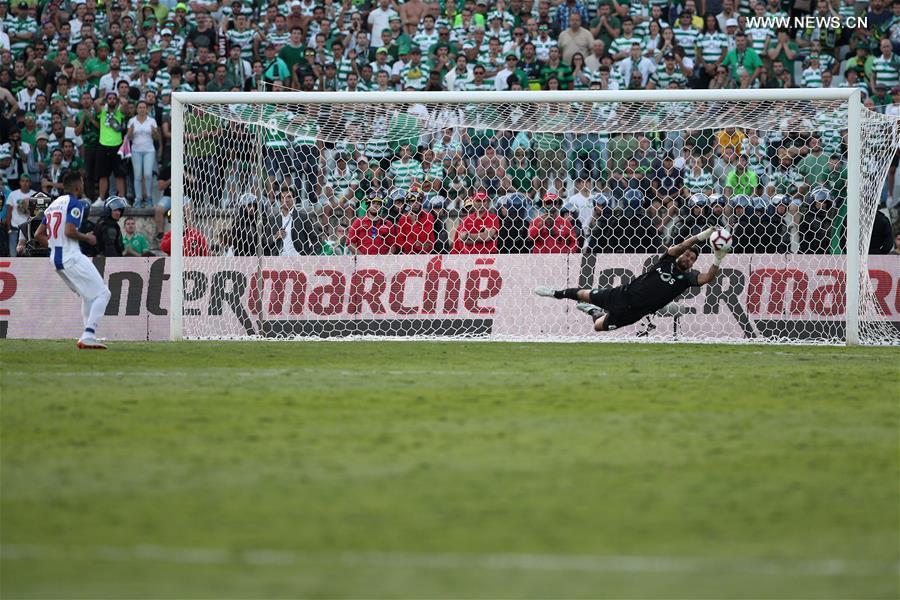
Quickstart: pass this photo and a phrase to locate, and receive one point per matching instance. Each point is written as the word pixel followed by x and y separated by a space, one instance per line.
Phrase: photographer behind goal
pixel 27 245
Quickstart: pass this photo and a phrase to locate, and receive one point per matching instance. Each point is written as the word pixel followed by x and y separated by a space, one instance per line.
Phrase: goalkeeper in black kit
pixel 666 279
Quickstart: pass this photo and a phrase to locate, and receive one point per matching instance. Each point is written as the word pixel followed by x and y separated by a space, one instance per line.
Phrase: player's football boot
pixel 543 290
pixel 589 309
pixel 90 344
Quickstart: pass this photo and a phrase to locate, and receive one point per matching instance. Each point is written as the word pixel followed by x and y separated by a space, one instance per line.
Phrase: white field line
pixel 489 562
pixel 253 372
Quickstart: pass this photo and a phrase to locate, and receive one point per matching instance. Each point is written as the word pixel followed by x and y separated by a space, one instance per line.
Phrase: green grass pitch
pixel 423 470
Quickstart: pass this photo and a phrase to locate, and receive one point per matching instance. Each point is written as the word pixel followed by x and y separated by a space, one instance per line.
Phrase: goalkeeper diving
pixel 667 278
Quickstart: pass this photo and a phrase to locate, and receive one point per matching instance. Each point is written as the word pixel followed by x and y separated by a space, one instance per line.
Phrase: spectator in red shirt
pixel 372 233
pixel 477 232
pixel 551 232
pixel 415 229
pixel 193 242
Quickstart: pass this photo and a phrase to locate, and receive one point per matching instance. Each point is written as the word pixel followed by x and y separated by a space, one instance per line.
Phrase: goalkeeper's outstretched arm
pixel 678 249
pixel 704 278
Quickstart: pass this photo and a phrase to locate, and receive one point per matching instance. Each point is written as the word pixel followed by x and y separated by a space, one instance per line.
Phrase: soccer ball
pixel 720 239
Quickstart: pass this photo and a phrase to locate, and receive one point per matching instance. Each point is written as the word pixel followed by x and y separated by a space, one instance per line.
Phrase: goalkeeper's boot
pixel 90 343
pixel 589 309
pixel 543 290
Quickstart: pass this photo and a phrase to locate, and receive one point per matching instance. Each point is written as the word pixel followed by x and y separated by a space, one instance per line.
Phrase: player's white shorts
pixel 82 277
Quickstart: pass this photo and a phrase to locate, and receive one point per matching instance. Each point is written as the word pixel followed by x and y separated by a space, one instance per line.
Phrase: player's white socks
pixel 86 311
pixel 95 313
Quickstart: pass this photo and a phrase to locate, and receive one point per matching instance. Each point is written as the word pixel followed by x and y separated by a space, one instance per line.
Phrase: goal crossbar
pixel 531 97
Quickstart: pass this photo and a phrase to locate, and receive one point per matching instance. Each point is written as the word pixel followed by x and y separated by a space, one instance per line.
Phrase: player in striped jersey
pixel 59 231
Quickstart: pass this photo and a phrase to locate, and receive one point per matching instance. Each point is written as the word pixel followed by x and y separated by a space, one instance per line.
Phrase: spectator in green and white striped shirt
pixel 343 64
pixel 812 75
pixel 23 29
pixel 886 67
pixel 760 35
pixel 242 35
pixel 428 35
pixel 414 74
pixel 698 178
pixel 656 16
pixel 342 176
pixel 686 34
pixel 826 61
pixel 405 169
pixel 479 83
pixel 666 74
pixel 621 46
pixel 712 45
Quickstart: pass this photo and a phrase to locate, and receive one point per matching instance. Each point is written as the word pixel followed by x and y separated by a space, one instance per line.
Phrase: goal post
pixel 264 142
pixel 854 150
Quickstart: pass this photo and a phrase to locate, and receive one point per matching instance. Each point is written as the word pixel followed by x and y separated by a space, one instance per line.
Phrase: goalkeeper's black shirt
pixel 661 283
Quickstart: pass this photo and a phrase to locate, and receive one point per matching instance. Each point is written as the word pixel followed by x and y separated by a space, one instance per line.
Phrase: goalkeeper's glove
pixel 720 255
pixel 704 235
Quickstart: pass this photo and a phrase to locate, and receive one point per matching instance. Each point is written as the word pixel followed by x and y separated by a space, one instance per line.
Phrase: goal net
pixel 435 215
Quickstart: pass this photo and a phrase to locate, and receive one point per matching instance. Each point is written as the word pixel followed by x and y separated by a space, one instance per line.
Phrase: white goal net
pixel 436 215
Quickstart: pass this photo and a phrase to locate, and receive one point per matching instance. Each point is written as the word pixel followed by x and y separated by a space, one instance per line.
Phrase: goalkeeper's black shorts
pixel 617 303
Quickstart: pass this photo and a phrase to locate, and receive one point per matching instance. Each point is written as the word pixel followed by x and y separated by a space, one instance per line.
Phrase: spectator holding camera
pixel 415 229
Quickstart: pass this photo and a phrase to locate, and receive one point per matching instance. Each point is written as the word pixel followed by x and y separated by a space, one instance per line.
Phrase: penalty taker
pixel 666 279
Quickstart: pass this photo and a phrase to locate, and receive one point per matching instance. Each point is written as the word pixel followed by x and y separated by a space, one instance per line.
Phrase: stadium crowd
pixel 87 85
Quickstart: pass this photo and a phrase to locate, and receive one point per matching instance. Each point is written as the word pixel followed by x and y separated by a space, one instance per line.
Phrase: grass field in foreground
pixel 448 470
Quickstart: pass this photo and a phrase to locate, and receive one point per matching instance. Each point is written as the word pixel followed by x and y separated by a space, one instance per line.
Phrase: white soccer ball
pixel 720 239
